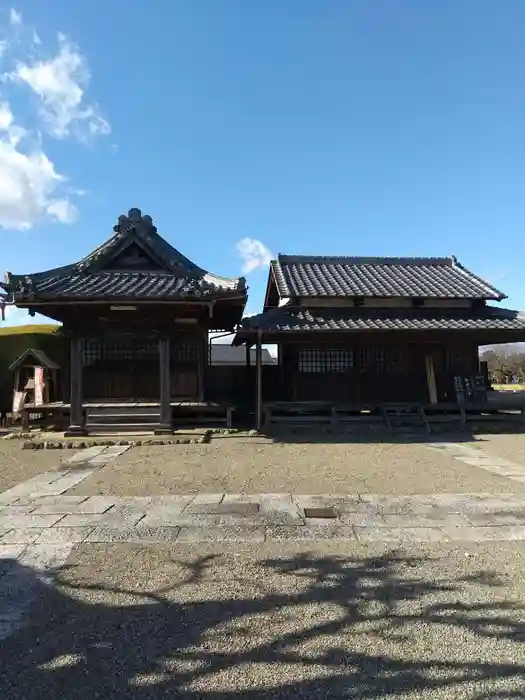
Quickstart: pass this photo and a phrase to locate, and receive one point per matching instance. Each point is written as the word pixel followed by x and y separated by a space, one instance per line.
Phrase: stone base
pixel 163 430
pixel 76 431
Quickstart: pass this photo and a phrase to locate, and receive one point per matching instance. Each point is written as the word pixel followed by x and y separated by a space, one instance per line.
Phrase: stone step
pixel 123 410
pixel 105 428
pixel 123 418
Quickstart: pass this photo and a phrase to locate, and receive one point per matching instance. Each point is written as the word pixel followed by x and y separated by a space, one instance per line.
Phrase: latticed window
pixel 97 350
pixel 322 360
pixel 380 360
pixel 184 351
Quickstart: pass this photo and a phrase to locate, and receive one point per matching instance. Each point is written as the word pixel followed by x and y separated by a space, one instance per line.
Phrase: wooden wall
pixel 367 373
pixel 126 366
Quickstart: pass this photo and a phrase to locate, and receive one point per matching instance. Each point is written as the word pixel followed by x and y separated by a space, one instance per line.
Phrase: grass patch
pixel 44 328
pixel 508 387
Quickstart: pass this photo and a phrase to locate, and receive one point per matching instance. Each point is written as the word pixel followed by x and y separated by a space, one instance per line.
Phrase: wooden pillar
pixel 431 378
pixel 76 414
pixel 202 364
pixel 258 382
pixel 165 426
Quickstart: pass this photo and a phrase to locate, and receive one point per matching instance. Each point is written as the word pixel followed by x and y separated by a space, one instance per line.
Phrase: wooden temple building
pixel 137 314
pixel 354 335
pixel 369 333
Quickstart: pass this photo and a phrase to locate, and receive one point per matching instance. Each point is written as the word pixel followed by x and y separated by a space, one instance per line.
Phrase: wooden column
pixel 431 378
pixel 247 394
pixel 165 426
pixel 258 382
pixel 202 364
pixel 76 414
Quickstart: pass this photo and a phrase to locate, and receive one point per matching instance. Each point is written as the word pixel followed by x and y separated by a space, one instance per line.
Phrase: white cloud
pixel 15 17
pixel 29 182
pixel 31 187
pixel 60 84
pixel 253 254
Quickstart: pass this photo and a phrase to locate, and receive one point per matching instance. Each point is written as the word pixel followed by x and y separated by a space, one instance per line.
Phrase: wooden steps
pixel 406 417
pixel 104 420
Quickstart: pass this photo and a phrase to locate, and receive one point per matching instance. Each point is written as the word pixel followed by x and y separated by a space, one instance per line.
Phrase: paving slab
pixel 79 520
pixel 29 487
pixel 206 499
pixel 229 508
pixel 56 535
pixel 30 520
pixel 510 517
pixel 16 509
pixel 241 498
pixel 225 533
pixel 64 483
pixel 371 518
pixel 110 453
pixel 423 520
pixel 393 504
pixel 11 551
pixel 145 535
pixel 42 558
pixel 280 508
pixel 185 519
pixel 121 517
pixel 26 535
pixel 485 534
pixel 401 536
pixel 56 500
pixel 490 505
pixel 457 503
pixel 173 503
pixel 310 532
pixel 88 505
pixel 321 501
pixel 86 454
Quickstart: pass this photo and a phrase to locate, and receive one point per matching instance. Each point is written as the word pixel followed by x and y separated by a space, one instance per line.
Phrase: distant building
pixel 222 354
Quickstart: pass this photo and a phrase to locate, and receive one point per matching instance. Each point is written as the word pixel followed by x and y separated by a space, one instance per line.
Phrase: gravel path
pixel 258 466
pixel 271 622
pixel 17 465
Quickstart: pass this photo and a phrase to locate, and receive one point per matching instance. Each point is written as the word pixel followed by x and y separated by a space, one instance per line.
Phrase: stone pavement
pixel 40 512
pixel 40 523
pixel 476 458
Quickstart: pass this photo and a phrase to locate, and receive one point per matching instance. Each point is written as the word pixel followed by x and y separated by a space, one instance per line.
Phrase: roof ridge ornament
pixel 133 222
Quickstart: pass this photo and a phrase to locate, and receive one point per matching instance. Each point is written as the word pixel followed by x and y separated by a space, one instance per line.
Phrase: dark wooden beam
pixel 166 426
pixel 258 381
pixel 77 421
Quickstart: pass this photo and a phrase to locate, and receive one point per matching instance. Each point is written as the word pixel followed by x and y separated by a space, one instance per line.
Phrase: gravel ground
pixel 258 466
pixel 17 465
pixel 270 622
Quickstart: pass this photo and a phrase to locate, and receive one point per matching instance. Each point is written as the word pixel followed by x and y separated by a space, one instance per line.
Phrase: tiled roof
pixel 286 318
pixel 310 276
pixel 172 275
pixel 118 284
pixel 38 355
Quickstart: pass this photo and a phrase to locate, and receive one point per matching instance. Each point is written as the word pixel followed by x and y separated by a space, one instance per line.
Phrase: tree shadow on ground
pixel 159 644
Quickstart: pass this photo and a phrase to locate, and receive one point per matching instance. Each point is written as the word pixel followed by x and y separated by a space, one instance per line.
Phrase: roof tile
pixel 286 318
pixel 315 276
pixel 93 276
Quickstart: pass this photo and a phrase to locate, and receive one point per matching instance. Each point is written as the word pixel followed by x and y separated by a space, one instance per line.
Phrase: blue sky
pixel 327 127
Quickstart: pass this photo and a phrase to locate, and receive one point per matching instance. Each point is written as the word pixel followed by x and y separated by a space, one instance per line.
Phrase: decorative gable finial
pixel 134 221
